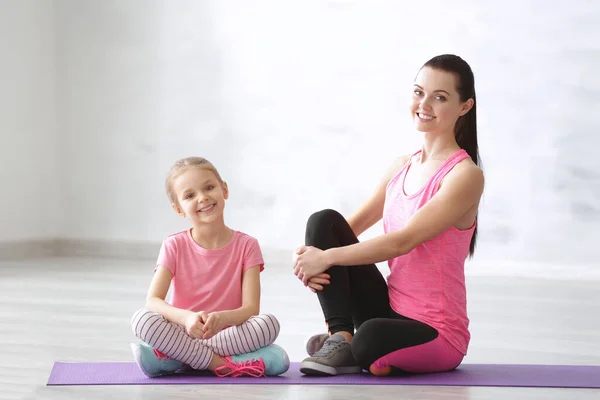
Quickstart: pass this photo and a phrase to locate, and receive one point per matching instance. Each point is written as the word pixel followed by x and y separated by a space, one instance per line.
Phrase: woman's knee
pixel 323 218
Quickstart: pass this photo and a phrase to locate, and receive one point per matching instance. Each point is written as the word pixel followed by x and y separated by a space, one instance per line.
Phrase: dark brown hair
pixel 465 130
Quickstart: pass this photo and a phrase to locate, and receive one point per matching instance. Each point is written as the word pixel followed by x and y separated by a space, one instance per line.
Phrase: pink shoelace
pixel 255 368
pixel 160 355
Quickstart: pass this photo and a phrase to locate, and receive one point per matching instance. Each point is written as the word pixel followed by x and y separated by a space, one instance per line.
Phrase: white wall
pixel 28 147
pixel 110 92
pixel 303 105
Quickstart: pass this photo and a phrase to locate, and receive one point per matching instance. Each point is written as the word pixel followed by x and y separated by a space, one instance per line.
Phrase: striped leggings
pixel 171 338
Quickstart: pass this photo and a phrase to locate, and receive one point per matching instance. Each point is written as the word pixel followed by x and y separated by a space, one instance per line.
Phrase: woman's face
pixel 436 104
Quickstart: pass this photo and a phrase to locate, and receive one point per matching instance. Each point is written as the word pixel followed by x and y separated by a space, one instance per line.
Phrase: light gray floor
pixel 79 310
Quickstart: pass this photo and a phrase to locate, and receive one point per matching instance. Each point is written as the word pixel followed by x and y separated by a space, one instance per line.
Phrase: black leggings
pixel 357 298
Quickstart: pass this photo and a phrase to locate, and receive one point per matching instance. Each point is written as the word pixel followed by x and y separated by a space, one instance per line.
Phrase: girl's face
pixel 436 104
pixel 200 196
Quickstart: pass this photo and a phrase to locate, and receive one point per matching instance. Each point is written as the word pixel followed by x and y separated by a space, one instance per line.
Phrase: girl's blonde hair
pixel 180 166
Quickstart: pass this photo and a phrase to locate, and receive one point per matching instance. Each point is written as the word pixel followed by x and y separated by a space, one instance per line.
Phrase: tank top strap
pixel 447 166
pixel 410 160
pixel 400 175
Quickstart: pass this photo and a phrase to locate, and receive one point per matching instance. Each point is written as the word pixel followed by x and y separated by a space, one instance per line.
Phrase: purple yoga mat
pixel 126 373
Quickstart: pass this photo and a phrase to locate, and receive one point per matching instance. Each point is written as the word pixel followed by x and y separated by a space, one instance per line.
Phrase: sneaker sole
pixel 316 369
pixel 314 343
pixel 286 363
pixel 137 356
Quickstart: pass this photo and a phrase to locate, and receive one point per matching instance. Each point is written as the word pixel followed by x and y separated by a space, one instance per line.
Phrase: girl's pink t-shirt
pixel 208 280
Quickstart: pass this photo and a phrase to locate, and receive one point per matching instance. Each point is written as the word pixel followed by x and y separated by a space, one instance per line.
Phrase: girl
pixel 212 322
pixel 417 321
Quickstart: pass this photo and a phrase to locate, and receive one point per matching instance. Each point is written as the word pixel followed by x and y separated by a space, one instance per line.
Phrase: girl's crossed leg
pixel 171 339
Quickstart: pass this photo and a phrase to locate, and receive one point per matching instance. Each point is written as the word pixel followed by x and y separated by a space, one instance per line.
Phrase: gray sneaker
pixel 315 342
pixel 334 358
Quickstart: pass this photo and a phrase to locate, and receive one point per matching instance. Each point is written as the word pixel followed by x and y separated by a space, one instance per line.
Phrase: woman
pixel 428 200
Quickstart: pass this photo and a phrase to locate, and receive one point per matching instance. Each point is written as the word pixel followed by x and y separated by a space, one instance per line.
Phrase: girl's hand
pixel 194 325
pixel 316 282
pixel 310 262
pixel 213 325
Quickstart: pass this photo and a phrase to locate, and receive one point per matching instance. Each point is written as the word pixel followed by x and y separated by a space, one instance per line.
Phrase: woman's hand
pixel 309 262
pixel 316 282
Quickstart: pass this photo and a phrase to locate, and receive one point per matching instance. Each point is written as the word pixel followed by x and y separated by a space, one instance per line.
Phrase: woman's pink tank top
pixel 428 284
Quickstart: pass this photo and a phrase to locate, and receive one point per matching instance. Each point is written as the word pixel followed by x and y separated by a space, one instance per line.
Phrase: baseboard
pixel 127 250
pixel 108 249
pixel 46 248
pixel 574 271
pixel 24 249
